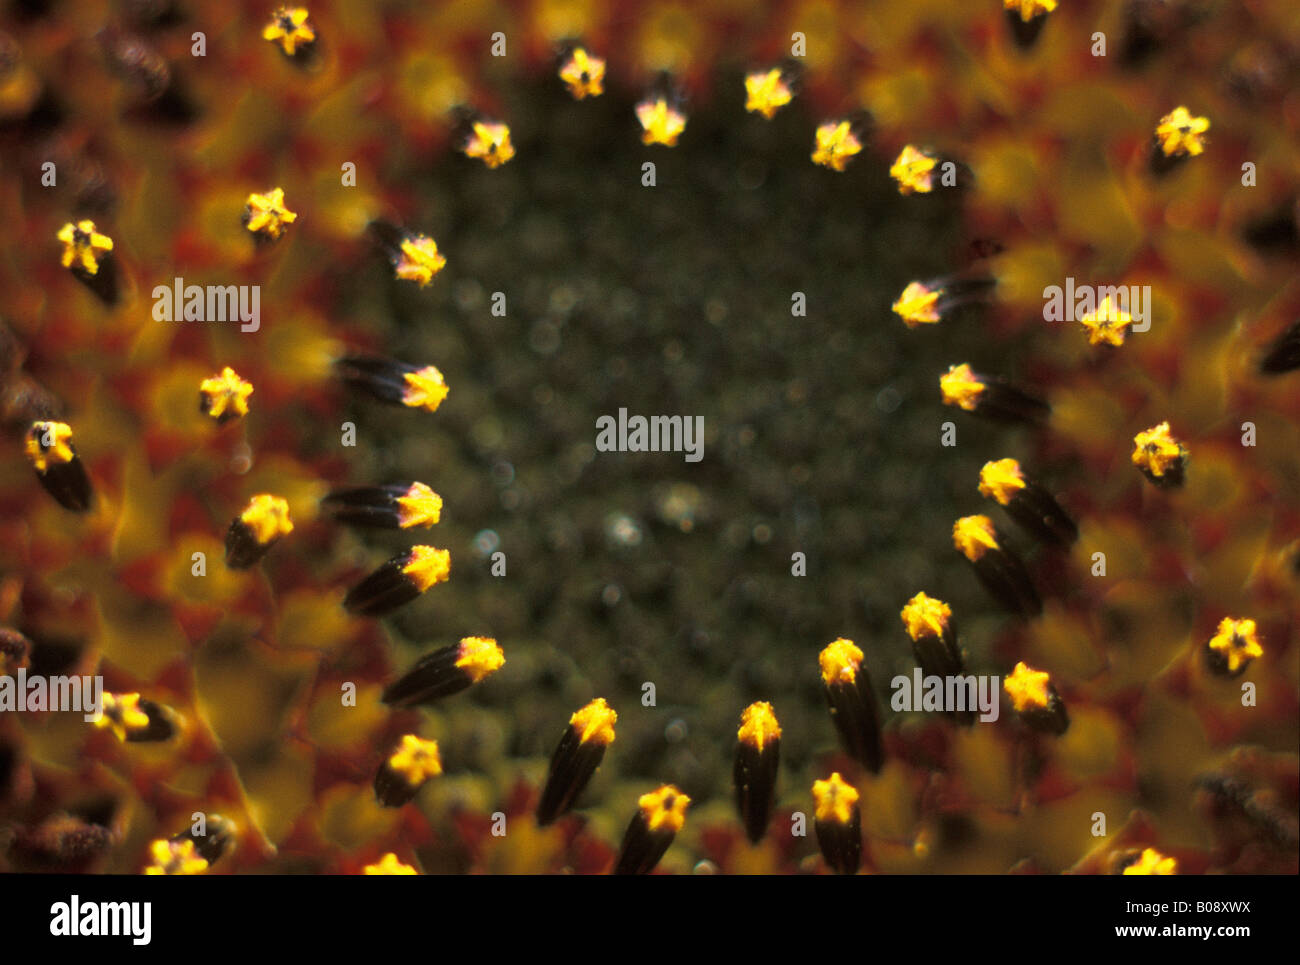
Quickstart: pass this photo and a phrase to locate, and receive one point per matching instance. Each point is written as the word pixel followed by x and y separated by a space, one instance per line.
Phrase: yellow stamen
pixel 490 143
pixel 595 723
pixel 1179 134
pixel 267 518
pixel 1107 324
pixel 175 858
pixel 83 246
pixel 974 536
pixel 660 123
pixel 267 215
pixel 389 865
pixel 1152 862
pixel 836 143
pixel 664 808
pixel 1237 641
pixel 1157 451
pixel 420 506
pixel 914 171
pixel 289 29
pixel 924 616
pixel 225 395
pixel 416 760
pixel 766 93
pixel 1028 688
pixel 1029 9
pixel 49 443
pixel 835 799
pixel 839 662
pixel 758 725
pixel 1001 480
pixel 918 304
pixel 480 657
pixel 426 566
pixel 583 74
pixel 121 714
pixel 425 389
pixel 961 387
pixel 420 260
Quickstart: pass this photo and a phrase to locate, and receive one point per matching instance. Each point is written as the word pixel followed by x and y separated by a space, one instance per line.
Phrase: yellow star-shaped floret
pixel 266 214
pixel 490 143
pixel 416 760
pixel 962 387
pixel 758 725
pixel 1237 642
pixel 427 565
pixel 389 865
pixel 1001 480
pixel 924 616
pixel 267 518
pixel 914 171
pixel 664 808
pixel 660 124
pixel 289 29
pixel 83 246
pixel 1107 324
pixel 583 74
pixel 175 858
pixel 1179 134
pixel 835 144
pixel 974 536
pixel 918 304
pixel 418 506
pixel 420 260
pixel 1028 689
pixel 425 389
pixel 225 396
pixel 480 657
pixel 49 443
pixel 121 714
pixel 839 661
pixel 1152 862
pixel 1029 9
pixel 1156 451
pixel 766 92
pixel 595 723
pixel 835 799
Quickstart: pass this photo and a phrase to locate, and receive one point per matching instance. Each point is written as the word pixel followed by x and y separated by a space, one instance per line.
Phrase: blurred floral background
pixel 822 432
